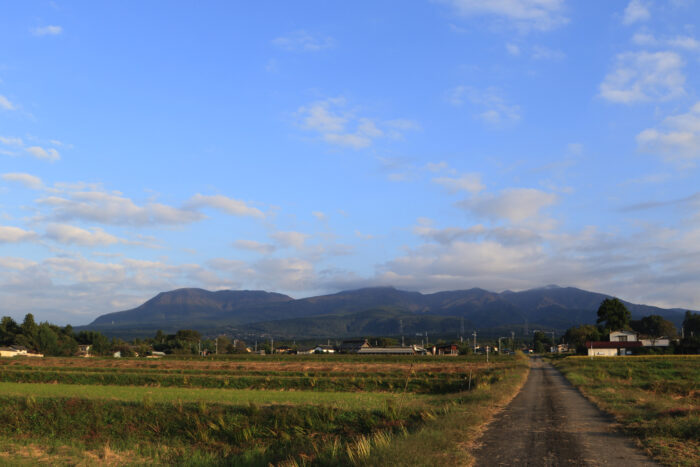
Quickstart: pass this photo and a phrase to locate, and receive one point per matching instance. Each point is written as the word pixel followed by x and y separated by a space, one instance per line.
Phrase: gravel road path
pixel 550 423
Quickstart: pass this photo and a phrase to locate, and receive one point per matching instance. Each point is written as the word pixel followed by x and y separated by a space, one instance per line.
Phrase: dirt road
pixel 551 424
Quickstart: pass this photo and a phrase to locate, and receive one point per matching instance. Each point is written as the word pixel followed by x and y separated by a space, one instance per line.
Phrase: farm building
pixel 17 351
pixel 353 346
pixel 445 349
pixel 624 343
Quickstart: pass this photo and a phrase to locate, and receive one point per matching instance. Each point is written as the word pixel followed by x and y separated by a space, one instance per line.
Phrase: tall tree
pixel 577 336
pixel 614 314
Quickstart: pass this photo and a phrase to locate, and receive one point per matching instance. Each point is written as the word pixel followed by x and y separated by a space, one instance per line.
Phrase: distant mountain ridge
pixel 375 310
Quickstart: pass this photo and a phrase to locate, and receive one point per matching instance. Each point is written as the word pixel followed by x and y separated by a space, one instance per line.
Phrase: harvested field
pixel 312 411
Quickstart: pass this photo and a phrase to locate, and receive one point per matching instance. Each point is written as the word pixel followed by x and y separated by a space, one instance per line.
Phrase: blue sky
pixel 309 147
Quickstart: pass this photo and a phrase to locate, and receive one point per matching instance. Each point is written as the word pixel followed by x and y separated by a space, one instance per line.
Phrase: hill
pixel 375 311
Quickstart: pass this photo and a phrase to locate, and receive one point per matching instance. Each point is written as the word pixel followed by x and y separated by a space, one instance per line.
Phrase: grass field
pixel 655 398
pixel 250 411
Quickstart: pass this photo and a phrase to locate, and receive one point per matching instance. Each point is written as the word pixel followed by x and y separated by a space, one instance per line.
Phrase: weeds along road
pixel 550 423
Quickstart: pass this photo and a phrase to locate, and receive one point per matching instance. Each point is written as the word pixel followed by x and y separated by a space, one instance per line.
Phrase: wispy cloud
pixel 336 124
pixel 225 204
pixel 514 204
pixel 28 180
pixel 636 11
pixel 676 42
pixel 114 209
pixel 491 106
pixel 644 76
pixel 47 31
pixel 470 182
pixel 6 104
pixel 303 41
pixel 525 15
pixel 544 53
pixel 72 235
pixel 677 141
pixel 253 245
pixel 49 154
pixel 10 234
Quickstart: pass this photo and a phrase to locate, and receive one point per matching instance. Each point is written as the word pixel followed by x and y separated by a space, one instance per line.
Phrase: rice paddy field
pixel 654 398
pixel 261 410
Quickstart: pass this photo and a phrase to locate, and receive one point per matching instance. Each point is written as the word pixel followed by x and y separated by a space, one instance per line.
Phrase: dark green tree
pixel 613 314
pixel 541 342
pixel 577 336
pixel 691 325
pixel 8 331
pixel 654 326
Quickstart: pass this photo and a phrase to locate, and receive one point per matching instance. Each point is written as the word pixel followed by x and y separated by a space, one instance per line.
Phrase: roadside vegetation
pixel 287 410
pixel 654 398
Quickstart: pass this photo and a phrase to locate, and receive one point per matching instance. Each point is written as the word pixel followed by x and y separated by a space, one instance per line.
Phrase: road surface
pixel 549 423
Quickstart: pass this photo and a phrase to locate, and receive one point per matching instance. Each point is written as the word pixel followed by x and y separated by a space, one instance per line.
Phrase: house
pixel 8 352
pixel 17 351
pixel 445 349
pixel 323 349
pixel 285 349
pixel 84 350
pixel 353 346
pixel 611 349
pixel 623 343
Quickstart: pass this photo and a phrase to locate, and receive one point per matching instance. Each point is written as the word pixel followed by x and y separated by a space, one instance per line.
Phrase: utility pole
pixel 512 341
pixel 426 339
pixel 461 329
pixel 216 345
pixel 500 349
pixel 474 334
pixel 272 345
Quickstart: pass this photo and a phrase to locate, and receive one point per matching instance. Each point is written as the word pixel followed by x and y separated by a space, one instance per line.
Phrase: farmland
pixel 654 398
pixel 281 410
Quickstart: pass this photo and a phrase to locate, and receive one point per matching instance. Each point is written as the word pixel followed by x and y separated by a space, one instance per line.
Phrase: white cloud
pixel 490 105
pixel 10 141
pixel 225 204
pixel 321 216
pixel 47 31
pixel 437 166
pixel 636 11
pixel 252 245
pixel 470 183
pixel 679 139
pixel 514 204
pixel 6 104
pixel 513 49
pixel 110 208
pixel 290 239
pixel 41 153
pixel 337 125
pixel 28 180
pixel 303 41
pixel 72 235
pixel 524 14
pixel 644 76
pixel 677 42
pixel 10 234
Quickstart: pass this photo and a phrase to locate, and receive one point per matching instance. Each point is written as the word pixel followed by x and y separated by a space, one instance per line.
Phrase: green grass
pixel 345 400
pixel 655 398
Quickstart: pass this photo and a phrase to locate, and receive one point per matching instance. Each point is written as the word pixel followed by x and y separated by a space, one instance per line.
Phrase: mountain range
pixel 368 311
